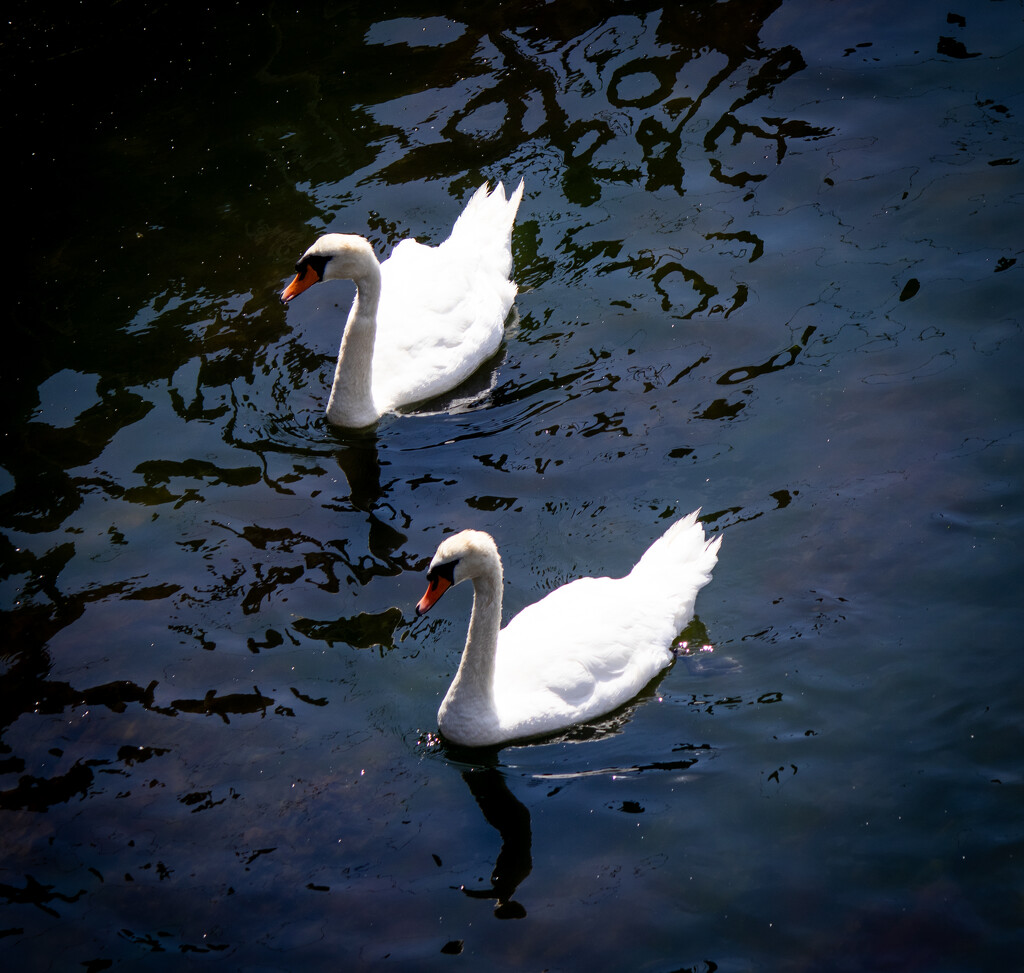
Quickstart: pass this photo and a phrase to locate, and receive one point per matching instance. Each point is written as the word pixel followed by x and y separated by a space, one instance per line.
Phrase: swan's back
pixel 442 309
pixel 593 644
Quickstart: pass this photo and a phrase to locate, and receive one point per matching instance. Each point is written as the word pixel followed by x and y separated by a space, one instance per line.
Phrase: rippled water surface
pixel 770 264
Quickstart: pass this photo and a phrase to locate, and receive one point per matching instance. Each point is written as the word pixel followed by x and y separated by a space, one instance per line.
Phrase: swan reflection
pixel 504 812
pixel 511 819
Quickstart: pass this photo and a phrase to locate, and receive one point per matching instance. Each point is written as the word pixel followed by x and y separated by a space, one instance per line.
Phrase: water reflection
pixel 359 460
pixel 675 85
pixel 27 690
pixel 663 91
pixel 169 489
pixel 660 97
pixel 504 812
pixel 511 819
pixel 40 793
pixel 364 631
pixel 40 456
pixel 233 703
pixel 777 362
pixel 38 895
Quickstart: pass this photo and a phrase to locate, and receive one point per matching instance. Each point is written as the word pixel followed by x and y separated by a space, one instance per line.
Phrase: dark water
pixel 770 265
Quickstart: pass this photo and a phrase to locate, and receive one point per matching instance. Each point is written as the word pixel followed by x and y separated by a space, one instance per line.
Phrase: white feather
pixel 427 317
pixel 580 652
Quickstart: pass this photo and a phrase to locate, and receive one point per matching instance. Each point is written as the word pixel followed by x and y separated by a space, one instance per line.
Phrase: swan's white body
pixel 580 652
pixel 423 320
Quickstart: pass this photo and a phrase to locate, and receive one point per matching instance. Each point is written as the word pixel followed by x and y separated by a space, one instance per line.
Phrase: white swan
pixel 577 654
pixel 423 320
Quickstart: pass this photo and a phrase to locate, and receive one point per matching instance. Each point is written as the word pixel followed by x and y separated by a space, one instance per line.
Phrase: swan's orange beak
pixel 438 586
pixel 304 280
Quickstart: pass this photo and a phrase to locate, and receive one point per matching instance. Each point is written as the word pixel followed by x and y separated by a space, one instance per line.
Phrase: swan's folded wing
pixel 584 649
pixel 438 321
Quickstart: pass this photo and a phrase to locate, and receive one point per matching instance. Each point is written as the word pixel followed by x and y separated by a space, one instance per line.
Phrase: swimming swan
pixel 423 320
pixel 578 653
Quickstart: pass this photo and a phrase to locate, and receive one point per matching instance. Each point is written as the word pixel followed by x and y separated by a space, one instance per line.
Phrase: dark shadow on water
pixel 234 703
pixel 364 631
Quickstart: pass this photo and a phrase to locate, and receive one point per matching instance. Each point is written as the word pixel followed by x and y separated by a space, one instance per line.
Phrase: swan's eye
pixel 317 262
pixel 446 571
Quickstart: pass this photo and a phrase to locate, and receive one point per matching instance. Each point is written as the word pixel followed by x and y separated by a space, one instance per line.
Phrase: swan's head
pixel 336 256
pixel 461 556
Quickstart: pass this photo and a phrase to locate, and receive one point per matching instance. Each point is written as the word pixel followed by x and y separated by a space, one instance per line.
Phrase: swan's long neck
pixel 351 402
pixel 471 693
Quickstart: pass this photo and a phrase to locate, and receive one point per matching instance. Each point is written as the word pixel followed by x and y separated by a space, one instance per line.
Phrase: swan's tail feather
pixel 679 563
pixel 484 227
